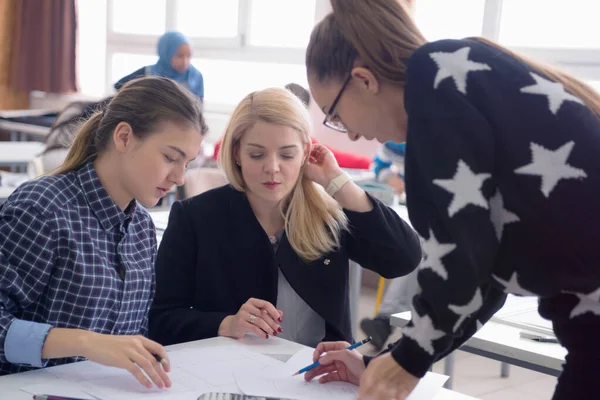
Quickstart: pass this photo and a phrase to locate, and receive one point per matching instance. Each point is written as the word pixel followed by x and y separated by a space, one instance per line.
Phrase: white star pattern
pixel 499 215
pixel 423 332
pixel 553 90
pixel 463 312
pixel 466 188
pixel 434 251
pixel 455 65
pixel 513 286
pixel 587 303
pixel 551 166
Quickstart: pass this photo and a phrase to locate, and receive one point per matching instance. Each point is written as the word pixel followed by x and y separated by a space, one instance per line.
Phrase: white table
pixel 10 384
pixel 502 342
pixel 19 130
pixel 5 192
pixel 18 154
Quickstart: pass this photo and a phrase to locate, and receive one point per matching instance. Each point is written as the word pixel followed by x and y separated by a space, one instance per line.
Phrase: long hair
pixel 313 222
pixel 383 36
pixel 143 103
pixel 380 33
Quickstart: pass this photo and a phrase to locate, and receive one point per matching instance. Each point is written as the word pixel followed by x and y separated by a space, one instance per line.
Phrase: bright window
pixel 281 23
pixel 124 64
pixel 210 19
pixel 91 38
pixel 229 81
pixel 550 23
pixel 138 17
pixel 445 19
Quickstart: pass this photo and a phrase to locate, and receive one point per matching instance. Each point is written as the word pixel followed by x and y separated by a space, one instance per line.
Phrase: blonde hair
pixel 313 222
pixel 383 36
pixel 143 103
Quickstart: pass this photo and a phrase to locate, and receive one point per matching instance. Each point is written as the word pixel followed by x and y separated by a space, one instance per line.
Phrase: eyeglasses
pixel 329 120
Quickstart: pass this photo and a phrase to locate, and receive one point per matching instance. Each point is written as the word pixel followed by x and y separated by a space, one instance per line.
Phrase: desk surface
pixel 12 153
pixel 503 342
pixel 21 127
pixel 10 384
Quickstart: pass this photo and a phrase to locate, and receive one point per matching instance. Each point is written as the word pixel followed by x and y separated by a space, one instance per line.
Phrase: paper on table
pixel 60 388
pixel 301 359
pixel 273 345
pixel 428 387
pixel 193 371
pixel 283 384
pixel 294 387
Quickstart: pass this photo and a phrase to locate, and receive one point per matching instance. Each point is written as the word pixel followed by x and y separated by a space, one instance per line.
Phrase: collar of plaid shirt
pixel 100 202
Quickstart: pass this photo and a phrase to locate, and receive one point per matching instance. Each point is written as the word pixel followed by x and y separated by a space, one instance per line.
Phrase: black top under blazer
pixel 215 255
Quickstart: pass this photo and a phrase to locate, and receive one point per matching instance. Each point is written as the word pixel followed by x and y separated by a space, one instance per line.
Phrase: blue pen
pixel 351 347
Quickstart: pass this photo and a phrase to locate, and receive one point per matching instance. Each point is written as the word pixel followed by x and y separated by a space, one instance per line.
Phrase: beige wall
pixel 10 99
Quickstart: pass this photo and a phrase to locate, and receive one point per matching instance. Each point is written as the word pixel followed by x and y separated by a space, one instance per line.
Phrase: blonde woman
pixel 268 254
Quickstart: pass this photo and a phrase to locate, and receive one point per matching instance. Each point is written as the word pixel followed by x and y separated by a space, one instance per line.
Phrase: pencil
pixel 161 360
pixel 351 347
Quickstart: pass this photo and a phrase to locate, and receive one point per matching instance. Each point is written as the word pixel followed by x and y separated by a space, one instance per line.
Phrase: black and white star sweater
pixel 502 181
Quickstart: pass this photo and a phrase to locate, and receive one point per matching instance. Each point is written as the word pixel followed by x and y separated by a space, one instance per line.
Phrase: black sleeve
pixel 450 159
pixel 172 317
pixel 381 241
pixel 136 74
pixel 493 300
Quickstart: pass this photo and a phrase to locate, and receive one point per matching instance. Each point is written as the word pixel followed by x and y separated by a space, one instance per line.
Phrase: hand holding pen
pixel 340 363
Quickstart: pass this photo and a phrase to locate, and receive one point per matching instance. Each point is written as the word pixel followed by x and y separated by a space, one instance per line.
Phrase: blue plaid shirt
pixel 70 258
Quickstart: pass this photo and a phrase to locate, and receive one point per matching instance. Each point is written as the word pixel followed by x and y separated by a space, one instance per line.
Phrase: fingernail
pixel 267 336
pixel 280 329
pixel 274 333
pixel 280 319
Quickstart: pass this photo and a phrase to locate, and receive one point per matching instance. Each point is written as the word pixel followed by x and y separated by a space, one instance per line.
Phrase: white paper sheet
pixel 429 386
pixel 59 388
pixel 300 360
pixel 272 345
pixel 297 388
pixel 294 388
pixel 193 372
pixel 282 383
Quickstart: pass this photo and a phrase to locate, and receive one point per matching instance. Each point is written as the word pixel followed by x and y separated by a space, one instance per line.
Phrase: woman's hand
pixel 322 166
pixel 256 316
pixel 385 379
pixel 338 364
pixel 135 354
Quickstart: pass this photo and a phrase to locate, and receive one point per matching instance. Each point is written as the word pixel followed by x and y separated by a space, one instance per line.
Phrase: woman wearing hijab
pixel 174 62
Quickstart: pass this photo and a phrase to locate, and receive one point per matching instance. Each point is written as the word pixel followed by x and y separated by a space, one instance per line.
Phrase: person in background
pixel 269 253
pixel 502 181
pixel 398 298
pixel 344 159
pixel 388 165
pixel 78 247
pixel 174 62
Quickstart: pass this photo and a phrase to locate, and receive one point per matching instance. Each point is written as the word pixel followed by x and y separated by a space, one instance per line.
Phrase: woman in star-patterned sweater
pixel 502 180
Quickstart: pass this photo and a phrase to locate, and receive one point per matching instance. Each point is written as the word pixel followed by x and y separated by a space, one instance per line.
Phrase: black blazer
pixel 214 256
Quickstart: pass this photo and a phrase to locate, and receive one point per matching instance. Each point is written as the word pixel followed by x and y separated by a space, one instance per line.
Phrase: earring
pixel 238 164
